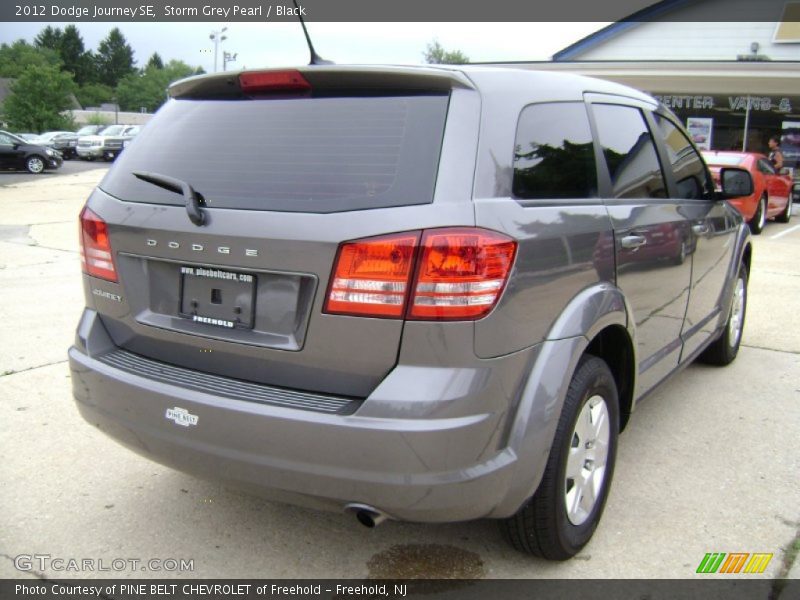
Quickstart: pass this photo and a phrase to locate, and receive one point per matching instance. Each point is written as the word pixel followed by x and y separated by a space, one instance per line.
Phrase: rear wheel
pixel 760 218
pixel 786 215
pixel 564 512
pixel 34 164
pixel 724 350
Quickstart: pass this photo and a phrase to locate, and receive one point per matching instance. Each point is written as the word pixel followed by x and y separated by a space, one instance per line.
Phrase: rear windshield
pixel 297 155
pixel 723 160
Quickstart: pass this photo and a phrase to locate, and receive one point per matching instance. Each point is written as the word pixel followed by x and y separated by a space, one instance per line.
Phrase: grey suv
pixel 423 294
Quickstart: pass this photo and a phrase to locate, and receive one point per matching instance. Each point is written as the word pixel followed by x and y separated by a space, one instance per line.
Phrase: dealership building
pixel 733 84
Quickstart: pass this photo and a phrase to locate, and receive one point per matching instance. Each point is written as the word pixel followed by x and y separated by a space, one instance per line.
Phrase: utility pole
pixel 217 37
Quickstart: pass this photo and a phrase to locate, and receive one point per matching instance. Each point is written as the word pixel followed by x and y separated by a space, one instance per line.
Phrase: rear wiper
pixel 193 201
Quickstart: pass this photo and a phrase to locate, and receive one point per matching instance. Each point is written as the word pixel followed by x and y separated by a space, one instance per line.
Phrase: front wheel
pixel 35 164
pixel 760 218
pixel 564 512
pixel 724 350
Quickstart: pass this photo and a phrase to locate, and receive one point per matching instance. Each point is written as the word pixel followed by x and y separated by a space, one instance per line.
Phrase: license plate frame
pixel 218 297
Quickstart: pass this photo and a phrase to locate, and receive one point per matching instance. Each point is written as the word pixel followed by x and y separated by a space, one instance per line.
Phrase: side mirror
pixel 735 182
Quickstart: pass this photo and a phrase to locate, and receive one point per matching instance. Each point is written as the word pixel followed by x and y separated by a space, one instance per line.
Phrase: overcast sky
pixel 281 44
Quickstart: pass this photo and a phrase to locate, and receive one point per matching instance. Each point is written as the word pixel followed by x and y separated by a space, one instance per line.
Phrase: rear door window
pixel 629 152
pixel 297 155
pixel 553 153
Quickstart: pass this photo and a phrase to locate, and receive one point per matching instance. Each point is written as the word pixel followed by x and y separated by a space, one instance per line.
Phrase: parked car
pixel 389 290
pixel 772 192
pixel 106 144
pixel 17 153
pixel 90 130
pixel 27 136
pixel 65 142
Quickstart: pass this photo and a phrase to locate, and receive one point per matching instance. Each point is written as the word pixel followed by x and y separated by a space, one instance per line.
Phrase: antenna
pixel 316 59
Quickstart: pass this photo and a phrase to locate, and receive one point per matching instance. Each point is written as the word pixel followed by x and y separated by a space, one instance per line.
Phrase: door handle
pixel 631 242
pixel 700 229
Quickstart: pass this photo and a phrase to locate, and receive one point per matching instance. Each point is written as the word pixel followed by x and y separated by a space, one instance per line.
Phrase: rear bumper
pixel 450 468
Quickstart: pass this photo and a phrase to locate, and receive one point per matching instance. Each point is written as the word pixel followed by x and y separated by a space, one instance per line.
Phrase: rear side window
pixel 687 165
pixel 553 153
pixel 296 155
pixel 629 152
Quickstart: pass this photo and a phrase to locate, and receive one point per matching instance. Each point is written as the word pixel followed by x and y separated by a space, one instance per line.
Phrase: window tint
pixel 723 160
pixel 553 153
pixel 629 152
pixel 686 164
pixel 765 167
pixel 295 155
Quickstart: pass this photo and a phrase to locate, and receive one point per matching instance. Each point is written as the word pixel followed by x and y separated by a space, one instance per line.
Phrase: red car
pixel 772 192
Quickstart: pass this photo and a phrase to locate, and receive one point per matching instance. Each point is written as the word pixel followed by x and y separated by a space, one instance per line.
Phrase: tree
pixel 49 37
pixel 148 89
pixel 16 58
pixel 435 54
pixel 114 58
pixel 97 119
pixel 94 94
pixel 76 59
pixel 155 62
pixel 37 98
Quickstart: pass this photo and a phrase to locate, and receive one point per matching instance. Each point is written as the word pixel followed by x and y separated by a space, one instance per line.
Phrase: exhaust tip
pixel 367 515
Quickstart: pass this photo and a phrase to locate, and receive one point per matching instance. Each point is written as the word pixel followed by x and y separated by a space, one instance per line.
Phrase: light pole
pixel 217 37
pixel 226 58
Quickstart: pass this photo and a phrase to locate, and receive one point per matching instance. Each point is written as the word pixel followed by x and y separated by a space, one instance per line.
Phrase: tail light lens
pixel 96 254
pixel 461 273
pixel 371 276
pixel 458 273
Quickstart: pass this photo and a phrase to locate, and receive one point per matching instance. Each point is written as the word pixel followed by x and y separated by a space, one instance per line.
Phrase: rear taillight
pixel 371 277
pixel 287 81
pixel 461 273
pixel 96 247
pixel 454 273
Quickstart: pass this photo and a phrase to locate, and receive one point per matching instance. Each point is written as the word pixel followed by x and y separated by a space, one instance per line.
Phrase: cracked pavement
pixel 709 463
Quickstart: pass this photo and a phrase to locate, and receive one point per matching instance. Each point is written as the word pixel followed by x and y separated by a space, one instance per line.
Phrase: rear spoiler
pixel 328 81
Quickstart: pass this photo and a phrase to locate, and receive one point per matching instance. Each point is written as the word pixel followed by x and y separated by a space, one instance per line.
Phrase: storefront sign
pixel 727 103
pixel 762 103
pixel 696 102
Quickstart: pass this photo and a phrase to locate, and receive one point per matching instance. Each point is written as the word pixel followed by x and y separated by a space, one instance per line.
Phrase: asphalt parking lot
pixel 69 167
pixel 710 463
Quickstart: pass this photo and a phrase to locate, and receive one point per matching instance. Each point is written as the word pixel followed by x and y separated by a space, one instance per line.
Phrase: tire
pixel 681 256
pixel 545 526
pixel 760 218
pixel 35 164
pixel 786 215
pixel 724 349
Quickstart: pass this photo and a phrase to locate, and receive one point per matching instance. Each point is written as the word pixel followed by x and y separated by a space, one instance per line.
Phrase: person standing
pixel 775 154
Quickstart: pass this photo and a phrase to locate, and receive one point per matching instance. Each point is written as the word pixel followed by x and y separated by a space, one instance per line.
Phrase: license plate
pixel 217 297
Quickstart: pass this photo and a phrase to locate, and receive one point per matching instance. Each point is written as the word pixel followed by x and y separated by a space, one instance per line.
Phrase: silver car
pixel 423 294
pixel 107 143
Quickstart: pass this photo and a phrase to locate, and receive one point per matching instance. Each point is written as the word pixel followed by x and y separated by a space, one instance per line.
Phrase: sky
pixel 283 44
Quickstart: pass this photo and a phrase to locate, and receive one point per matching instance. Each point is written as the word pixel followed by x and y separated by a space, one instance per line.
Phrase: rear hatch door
pixel 282 179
